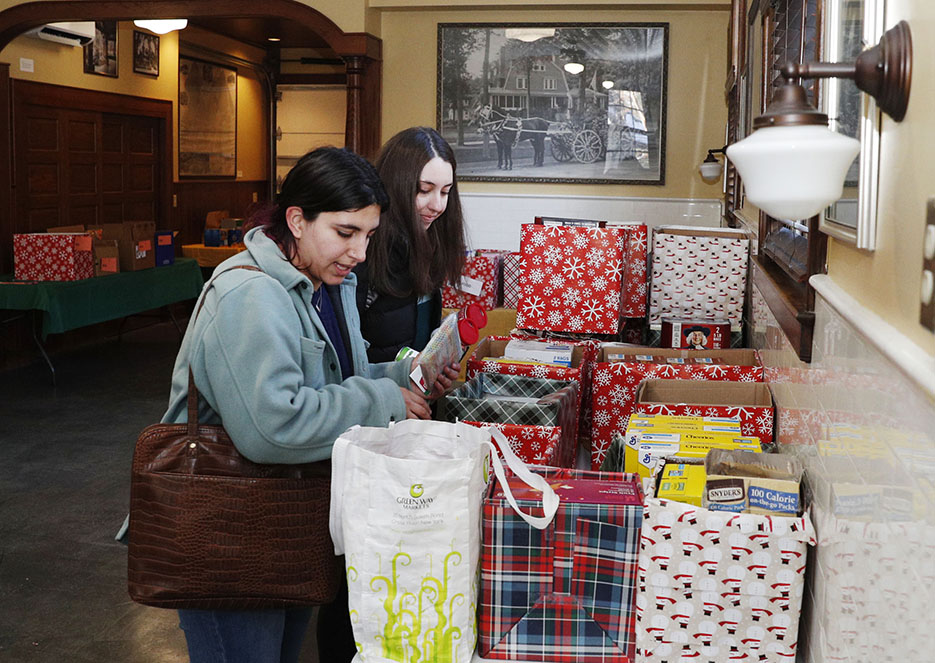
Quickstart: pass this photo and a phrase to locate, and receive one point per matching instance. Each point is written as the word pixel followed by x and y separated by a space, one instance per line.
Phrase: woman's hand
pixel 416 405
pixel 444 380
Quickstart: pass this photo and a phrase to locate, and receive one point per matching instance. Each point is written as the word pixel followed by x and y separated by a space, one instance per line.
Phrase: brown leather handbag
pixel 210 529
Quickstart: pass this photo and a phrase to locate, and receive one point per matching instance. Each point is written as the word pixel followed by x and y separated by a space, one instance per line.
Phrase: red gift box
pixel 512 267
pixel 480 281
pixel 750 402
pixel 614 384
pixel 635 287
pixel 534 445
pixel 571 279
pixel 52 257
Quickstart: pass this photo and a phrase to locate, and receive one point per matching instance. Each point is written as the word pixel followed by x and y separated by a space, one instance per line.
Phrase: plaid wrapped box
pixel 480 284
pixel 717 587
pixel 580 370
pixel 534 445
pixel 512 267
pixel 494 398
pixel 614 384
pixel 698 273
pixel 566 593
pixel 53 257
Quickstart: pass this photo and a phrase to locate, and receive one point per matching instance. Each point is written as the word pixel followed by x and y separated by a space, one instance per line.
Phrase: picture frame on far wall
pixel 554 102
pixel 145 53
pixel 100 56
pixel 207 119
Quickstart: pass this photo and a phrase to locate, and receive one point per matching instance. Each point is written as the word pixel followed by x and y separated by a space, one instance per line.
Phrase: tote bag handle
pixel 549 498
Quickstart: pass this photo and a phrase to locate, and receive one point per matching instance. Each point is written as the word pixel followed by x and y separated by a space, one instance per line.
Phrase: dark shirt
pixel 322 303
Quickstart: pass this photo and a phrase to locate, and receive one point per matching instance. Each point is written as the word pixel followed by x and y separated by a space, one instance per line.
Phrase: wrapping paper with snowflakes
pixel 635 286
pixel 614 384
pixel 698 277
pixel 480 284
pixel 486 398
pixel 717 587
pixel 52 257
pixel 512 266
pixel 571 279
pixel 534 445
pixel 492 346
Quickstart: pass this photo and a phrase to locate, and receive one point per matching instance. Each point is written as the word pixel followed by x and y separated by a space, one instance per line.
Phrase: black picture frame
pixel 513 113
pixel 100 56
pixel 207 104
pixel 145 54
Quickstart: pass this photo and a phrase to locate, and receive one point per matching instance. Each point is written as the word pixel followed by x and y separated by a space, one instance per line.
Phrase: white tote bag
pixel 406 513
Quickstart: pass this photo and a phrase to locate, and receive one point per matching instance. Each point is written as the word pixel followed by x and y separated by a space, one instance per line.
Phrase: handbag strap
pixel 192 389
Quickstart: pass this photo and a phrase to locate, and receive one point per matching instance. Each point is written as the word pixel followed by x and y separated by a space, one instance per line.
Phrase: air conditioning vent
pixel 72 34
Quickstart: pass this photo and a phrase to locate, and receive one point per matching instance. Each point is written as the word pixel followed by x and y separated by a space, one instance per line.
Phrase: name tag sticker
pixel 108 265
pixel 471 286
pixel 83 243
pixel 165 240
pixel 145 245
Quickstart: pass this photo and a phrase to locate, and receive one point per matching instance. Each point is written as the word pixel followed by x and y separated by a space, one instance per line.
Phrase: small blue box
pixel 212 236
pixel 165 248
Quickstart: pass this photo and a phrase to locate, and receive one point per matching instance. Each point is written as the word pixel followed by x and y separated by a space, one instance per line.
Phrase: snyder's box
pixel 741 482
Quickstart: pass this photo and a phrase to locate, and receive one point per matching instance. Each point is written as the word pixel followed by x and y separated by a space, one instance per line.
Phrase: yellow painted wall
pixel 696 113
pixel 888 280
pixel 59 64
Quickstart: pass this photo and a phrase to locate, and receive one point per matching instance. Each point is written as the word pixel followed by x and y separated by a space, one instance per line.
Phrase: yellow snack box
pixel 642 459
pixel 682 482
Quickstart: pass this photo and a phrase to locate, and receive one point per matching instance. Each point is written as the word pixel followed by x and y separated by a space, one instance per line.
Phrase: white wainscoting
pixel 493 220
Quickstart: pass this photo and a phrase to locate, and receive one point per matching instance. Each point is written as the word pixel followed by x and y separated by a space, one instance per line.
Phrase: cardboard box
pixel 165 247
pixel 136 241
pixel 213 219
pixel 568 588
pixel 538 351
pixel 645 456
pixel 106 257
pixel 745 483
pixel 695 334
pixel 52 257
pixel 682 481
pixel 66 229
pixel 614 384
pixel 717 586
pixel 750 402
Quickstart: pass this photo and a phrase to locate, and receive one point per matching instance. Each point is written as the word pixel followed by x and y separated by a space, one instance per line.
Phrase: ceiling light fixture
pixel 162 26
pixel 574 67
pixel 529 34
pixel 792 165
pixel 273 39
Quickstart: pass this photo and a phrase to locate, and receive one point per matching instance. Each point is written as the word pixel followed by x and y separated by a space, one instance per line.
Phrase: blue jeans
pixel 244 636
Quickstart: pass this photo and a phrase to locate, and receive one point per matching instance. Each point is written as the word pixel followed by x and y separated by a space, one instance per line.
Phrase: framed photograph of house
pixel 145 53
pixel 554 102
pixel 100 56
pixel 207 119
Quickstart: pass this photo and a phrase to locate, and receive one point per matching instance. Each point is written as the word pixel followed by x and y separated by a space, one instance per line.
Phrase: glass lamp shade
pixel 529 34
pixel 710 170
pixel 574 67
pixel 162 26
pixel 793 172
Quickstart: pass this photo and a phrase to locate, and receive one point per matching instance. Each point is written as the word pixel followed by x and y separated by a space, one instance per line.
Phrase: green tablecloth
pixel 71 304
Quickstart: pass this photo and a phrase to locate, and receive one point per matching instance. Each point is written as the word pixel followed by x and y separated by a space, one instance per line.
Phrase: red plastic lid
pixel 476 314
pixel 467 331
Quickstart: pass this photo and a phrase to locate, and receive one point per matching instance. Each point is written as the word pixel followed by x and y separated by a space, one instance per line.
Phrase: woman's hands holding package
pixel 444 380
pixel 417 403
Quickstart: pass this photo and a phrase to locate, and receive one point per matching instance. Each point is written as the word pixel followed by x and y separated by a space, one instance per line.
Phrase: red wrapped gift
pixel 534 445
pixel 512 266
pixel 52 257
pixel 571 279
pixel 480 282
pixel 619 370
pixel 635 287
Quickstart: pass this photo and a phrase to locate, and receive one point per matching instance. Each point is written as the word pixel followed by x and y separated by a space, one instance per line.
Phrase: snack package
pixel 443 348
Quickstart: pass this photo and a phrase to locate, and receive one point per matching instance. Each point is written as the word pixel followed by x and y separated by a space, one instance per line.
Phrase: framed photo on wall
pixel 207 119
pixel 145 53
pixel 554 102
pixel 100 56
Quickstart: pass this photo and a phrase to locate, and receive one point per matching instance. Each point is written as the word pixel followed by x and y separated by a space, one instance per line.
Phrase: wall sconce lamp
pixel 792 165
pixel 574 67
pixel 162 26
pixel 710 168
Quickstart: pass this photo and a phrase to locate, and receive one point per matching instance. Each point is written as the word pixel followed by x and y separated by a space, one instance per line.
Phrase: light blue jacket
pixel 265 367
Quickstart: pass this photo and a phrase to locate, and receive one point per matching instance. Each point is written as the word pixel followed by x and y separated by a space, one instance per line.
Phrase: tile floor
pixel 65 456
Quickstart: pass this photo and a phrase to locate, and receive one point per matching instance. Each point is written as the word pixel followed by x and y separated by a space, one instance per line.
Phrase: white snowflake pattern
pixel 600 283
pixel 540 371
pixel 536 445
pixel 533 306
pixel 612 271
pixel 574 269
pixel 557 281
pixel 594 257
pixel 764 423
pixel 571 297
pixel 602 401
pixel 747 377
pixel 581 240
pixel 638 241
pixel 536 259
pixel 576 323
pixel 554 231
pixel 592 310
pixel 547 291
pixel 619 394
pixel 602 418
pixel 555 317
pixel 693 412
pixel 538 239
pixel 536 275
pixel 526 432
pixel 612 300
pixel 711 412
pixel 553 255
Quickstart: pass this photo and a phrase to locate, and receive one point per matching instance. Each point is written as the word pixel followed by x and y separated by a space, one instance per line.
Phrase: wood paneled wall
pixel 194 199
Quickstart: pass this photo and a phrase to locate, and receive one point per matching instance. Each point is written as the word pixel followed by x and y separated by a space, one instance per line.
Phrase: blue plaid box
pixel 565 594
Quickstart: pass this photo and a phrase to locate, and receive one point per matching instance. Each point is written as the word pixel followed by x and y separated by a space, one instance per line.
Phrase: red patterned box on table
pixel 512 266
pixel 565 594
pixel 750 402
pixel 534 445
pixel 495 346
pixel 480 284
pixel 619 370
pixel 635 287
pixel 571 279
pixel 53 257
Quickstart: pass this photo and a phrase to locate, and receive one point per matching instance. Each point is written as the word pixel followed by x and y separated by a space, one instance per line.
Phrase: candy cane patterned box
pixel 718 587
pixel 614 384
pixel 52 257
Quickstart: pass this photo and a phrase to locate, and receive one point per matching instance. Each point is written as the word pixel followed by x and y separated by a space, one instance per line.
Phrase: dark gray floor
pixel 65 456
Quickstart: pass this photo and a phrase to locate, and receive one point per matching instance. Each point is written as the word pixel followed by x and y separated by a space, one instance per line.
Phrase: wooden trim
pixel 6 170
pixel 311 79
pixel 787 304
